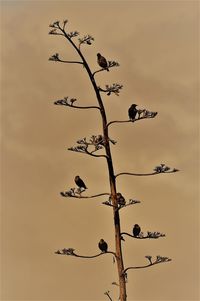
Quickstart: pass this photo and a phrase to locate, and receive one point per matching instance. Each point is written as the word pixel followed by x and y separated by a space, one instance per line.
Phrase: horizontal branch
pixel 64 102
pixel 67 194
pixel 153 235
pixel 102 69
pixel 136 174
pixel 70 252
pixel 86 152
pixel 55 58
pixel 120 206
pixel 93 155
pixel 87 107
pixel 70 62
pixel 162 168
pixel 125 121
pixel 157 261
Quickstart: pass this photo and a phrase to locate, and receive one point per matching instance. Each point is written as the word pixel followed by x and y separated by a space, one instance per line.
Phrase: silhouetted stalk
pixel 113 191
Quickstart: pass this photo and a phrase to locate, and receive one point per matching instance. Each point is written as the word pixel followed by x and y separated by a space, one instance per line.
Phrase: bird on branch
pixel 79 182
pixel 103 246
pixel 120 199
pixel 136 230
pixel 102 62
pixel 132 111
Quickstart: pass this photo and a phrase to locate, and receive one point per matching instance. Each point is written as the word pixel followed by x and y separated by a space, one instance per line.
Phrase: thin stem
pixel 141 237
pixel 85 197
pixel 93 256
pixel 136 174
pixel 69 62
pixel 142 174
pixel 93 155
pixel 88 107
pixel 107 294
pixel 144 266
pixel 93 74
pixel 125 121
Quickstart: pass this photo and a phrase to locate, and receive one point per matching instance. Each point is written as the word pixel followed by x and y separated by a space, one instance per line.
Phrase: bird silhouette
pixel 79 182
pixel 120 199
pixel 132 111
pixel 102 62
pixel 136 230
pixel 103 246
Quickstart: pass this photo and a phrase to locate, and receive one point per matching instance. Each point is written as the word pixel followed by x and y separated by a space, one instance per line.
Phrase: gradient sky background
pixel 156 44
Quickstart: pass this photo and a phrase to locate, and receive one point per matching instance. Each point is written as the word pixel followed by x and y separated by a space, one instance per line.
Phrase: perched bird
pixel 102 62
pixel 136 230
pixel 79 182
pixel 103 246
pixel 120 199
pixel 132 111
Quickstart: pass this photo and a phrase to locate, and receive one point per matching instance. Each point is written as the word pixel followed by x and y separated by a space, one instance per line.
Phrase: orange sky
pixel 156 44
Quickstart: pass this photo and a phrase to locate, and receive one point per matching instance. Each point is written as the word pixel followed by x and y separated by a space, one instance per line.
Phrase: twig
pixel 145 266
pixel 145 174
pixel 124 121
pixel 107 294
pixel 153 235
pixel 71 253
pixel 64 194
pixel 93 155
pixel 88 107
pixel 69 62
pixel 93 74
pixel 137 174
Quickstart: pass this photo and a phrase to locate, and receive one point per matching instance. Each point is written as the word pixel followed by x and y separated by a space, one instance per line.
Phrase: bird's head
pixel 134 105
pixel 77 177
pixel 101 241
pixel 98 55
pixel 136 226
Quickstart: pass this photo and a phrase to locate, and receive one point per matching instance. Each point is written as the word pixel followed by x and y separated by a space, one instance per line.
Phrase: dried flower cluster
pixel 69 251
pixel 158 259
pixel 121 201
pixel 66 101
pixel 146 114
pixel 72 192
pixel 95 143
pixel 55 58
pixel 162 168
pixel 87 39
pixel 114 88
pixel 112 64
pixel 155 234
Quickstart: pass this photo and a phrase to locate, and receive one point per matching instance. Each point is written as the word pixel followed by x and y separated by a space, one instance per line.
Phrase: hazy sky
pixel 156 44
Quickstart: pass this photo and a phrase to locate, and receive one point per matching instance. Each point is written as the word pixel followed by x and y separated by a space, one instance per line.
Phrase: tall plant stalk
pixel 104 143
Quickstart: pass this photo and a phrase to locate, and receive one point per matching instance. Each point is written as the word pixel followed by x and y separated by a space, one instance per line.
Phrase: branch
pixel 88 39
pixel 70 103
pixel 55 58
pixel 114 88
pixel 111 64
pixel 82 150
pixel 96 142
pixel 149 235
pixel 123 121
pixel 93 155
pixel 107 294
pixel 70 252
pixel 159 259
pixel 73 194
pixel 120 206
pixel 162 168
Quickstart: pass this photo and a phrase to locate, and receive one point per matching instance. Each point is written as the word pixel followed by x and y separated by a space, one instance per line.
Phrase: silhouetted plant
pixel 101 143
